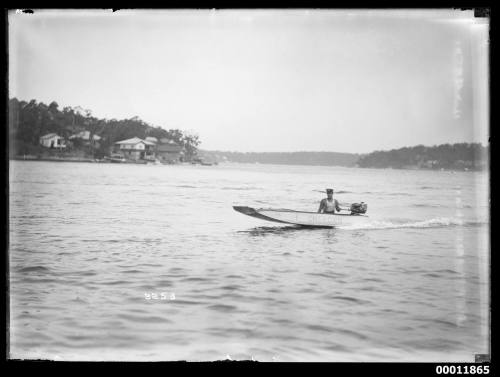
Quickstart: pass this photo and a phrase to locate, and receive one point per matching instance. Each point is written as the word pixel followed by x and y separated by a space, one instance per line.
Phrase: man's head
pixel 329 193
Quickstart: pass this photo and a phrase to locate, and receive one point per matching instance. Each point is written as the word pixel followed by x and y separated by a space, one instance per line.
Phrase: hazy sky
pixel 264 80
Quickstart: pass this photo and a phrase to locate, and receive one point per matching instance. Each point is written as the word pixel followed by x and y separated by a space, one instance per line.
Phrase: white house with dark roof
pixel 52 140
pixel 136 148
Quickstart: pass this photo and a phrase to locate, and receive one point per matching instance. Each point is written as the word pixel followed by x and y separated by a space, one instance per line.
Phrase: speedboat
pixel 355 215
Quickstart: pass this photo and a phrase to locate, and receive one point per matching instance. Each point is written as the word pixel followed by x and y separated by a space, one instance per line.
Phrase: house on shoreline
pixel 52 140
pixel 151 149
pixel 168 151
pixel 136 149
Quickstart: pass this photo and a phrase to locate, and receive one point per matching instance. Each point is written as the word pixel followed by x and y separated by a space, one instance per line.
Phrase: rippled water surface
pixel 134 262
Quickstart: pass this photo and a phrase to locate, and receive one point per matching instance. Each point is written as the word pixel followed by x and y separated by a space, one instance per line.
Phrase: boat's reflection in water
pixel 283 230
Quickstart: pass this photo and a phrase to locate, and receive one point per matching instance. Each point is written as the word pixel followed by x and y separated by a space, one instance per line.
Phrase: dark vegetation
pixel 30 120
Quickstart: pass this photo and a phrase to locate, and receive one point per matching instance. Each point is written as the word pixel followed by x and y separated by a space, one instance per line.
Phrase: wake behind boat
pixel 310 219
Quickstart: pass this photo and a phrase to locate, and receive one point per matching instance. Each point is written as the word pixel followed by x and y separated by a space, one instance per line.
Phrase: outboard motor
pixel 358 208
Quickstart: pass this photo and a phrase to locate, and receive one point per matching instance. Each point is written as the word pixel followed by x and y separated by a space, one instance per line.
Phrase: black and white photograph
pixel 268 185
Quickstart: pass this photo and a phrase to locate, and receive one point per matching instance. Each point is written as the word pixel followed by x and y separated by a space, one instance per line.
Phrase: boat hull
pixel 310 219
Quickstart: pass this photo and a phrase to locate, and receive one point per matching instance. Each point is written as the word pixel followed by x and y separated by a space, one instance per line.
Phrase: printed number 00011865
pixel 463 369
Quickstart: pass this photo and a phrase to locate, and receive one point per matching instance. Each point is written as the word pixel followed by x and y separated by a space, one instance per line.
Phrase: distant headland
pixel 461 156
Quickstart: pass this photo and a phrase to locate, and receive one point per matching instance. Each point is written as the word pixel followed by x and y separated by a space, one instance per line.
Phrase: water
pixel 90 244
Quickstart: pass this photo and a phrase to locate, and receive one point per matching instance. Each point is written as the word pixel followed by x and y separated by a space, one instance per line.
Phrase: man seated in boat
pixel 329 205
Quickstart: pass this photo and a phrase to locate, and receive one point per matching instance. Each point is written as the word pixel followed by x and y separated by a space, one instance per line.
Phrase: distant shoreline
pixel 453 157
pixel 90 160
pixel 54 159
